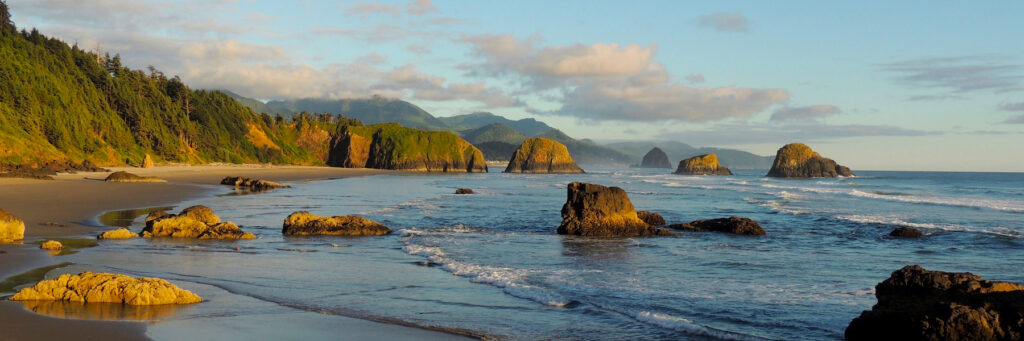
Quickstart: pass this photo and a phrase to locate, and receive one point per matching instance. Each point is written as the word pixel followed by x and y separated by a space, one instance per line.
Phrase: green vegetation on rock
pixel 392 146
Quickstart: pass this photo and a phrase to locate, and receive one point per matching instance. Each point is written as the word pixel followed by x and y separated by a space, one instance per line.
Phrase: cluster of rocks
pixel 46 170
pixel 198 222
pixel 251 184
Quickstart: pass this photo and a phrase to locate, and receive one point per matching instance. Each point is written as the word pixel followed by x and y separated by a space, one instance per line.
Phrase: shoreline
pixel 68 207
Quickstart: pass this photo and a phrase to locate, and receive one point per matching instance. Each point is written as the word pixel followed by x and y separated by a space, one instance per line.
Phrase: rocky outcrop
pixel 251 184
pixel 307 224
pixel 656 158
pixel 906 232
pixel 51 245
pixel 734 225
pixel 11 229
pixel 797 160
pixel 121 233
pixel 651 218
pixel 706 164
pixel 541 155
pixel 464 191
pixel 918 304
pixel 598 211
pixel 391 146
pixel 123 176
pixel 194 222
pixel 89 287
pixel 147 162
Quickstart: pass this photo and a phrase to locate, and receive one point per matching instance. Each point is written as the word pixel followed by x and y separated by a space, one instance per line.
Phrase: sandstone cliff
pixel 541 155
pixel 391 146
pixel 797 160
pixel 706 164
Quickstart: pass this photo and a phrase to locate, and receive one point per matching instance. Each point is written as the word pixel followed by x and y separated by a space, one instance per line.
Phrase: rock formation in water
pixel 251 184
pixel 193 222
pixel 147 162
pixel 656 158
pixel 597 211
pixel 464 191
pixel 906 232
pixel 651 218
pixel 797 160
pixel 391 146
pixel 734 225
pixel 51 245
pixel 918 304
pixel 706 164
pixel 89 287
pixel 308 224
pixel 121 233
pixel 541 155
pixel 11 229
pixel 123 176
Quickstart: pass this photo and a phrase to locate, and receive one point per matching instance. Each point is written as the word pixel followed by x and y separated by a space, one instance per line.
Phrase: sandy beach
pixel 68 207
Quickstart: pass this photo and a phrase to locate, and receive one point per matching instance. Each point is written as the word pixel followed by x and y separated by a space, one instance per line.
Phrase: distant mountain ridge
pixel 731 158
pixel 372 110
pixel 527 126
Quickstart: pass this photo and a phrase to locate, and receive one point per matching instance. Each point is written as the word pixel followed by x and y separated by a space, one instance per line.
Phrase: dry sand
pixel 68 206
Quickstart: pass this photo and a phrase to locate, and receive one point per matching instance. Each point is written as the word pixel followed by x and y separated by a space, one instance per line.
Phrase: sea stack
pixel 597 211
pixel 656 158
pixel 392 146
pixel 918 304
pixel 541 155
pixel 706 164
pixel 797 160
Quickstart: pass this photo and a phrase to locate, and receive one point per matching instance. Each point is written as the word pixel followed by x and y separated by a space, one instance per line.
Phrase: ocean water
pixel 491 263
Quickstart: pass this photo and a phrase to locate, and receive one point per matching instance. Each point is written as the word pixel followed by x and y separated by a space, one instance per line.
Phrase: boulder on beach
pixel 147 162
pixel 11 229
pixel 194 222
pixel 597 211
pixel 734 225
pixel 464 191
pixel 706 164
pixel 541 155
pixel 251 184
pixel 307 224
pixel 651 218
pixel 121 233
pixel 906 232
pixel 656 158
pixel 797 160
pixel 123 176
pixel 918 304
pixel 51 245
pixel 89 287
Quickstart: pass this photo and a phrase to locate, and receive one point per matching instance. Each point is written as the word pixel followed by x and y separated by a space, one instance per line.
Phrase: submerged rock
pixel 251 184
pixel 52 245
pixel 797 160
pixel 194 222
pixel 651 218
pixel 656 158
pixel 706 164
pixel 541 155
pixel 598 211
pixel 92 287
pixel 464 191
pixel 918 304
pixel 307 224
pixel 734 225
pixel 11 229
pixel 121 233
pixel 906 232
pixel 123 176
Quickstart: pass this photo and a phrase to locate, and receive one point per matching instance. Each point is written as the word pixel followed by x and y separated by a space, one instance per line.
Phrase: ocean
pixel 492 264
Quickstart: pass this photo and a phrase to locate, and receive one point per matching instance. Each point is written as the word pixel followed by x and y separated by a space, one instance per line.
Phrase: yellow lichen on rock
pixel 11 229
pixel 121 233
pixel 201 213
pixel 104 287
pixel 541 155
pixel 706 164
pixel 307 224
pixel 794 154
pixel 52 245
pixel 194 222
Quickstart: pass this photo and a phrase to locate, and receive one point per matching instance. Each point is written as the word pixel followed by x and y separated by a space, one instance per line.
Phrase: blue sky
pixel 875 85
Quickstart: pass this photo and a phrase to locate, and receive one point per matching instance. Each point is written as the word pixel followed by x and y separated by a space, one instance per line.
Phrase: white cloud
pixel 804 113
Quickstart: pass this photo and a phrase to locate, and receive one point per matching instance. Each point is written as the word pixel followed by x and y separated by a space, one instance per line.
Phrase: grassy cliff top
pixel 795 153
pixel 539 148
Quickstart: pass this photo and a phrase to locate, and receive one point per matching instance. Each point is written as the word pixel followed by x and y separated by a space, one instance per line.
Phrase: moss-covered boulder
pixel 89 287
pixel 541 155
pixel 597 211
pixel 11 229
pixel 797 160
pixel 706 164
pixel 123 176
pixel 197 222
pixel 391 146
pixel 656 158
pixel 307 224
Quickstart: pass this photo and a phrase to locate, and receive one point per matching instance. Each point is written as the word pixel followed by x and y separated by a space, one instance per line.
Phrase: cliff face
pixel 706 164
pixel 797 160
pixel 656 158
pixel 391 146
pixel 541 155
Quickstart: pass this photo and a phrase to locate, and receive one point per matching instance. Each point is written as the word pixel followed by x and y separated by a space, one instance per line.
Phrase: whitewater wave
pixel 689 327
pixel 1000 205
pixel 897 221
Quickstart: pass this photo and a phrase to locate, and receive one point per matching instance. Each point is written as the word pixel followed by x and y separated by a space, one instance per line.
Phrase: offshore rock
pixel 89 287
pixel 123 176
pixel 464 191
pixel 651 218
pixel 597 211
pixel 307 224
pixel 656 158
pixel 541 155
pixel 121 233
pixel 918 304
pixel 194 222
pixel 251 184
pixel 147 162
pixel 734 225
pixel 11 229
pixel 51 245
pixel 706 164
pixel 797 160
pixel 391 146
pixel 906 232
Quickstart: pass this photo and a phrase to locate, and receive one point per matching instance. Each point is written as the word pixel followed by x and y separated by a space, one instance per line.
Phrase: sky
pixel 875 85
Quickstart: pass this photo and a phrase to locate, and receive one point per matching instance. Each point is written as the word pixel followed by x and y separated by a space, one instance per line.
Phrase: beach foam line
pixel 895 221
pixel 684 325
pixel 1000 205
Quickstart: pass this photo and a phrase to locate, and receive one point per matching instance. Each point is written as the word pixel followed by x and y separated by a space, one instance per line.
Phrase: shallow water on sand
pixel 492 263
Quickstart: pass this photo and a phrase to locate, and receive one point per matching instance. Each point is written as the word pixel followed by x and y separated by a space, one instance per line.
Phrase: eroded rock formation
pixel 104 287
pixel 797 160
pixel 706 164
pixel 541 155
pixel 391 146
pixel 194 222
pixel 597 211
pixel 307 224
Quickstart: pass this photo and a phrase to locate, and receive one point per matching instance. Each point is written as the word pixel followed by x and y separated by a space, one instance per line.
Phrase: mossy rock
pixel 541 155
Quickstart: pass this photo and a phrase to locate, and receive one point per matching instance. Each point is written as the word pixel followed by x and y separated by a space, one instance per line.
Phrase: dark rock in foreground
pixel 906 232
pixel 308 224
pixel 734 225
pixel 656 158
pixel 464 191
pixel 251 184
pixel 797 160
pixel 706 164
pixel 598 211
pixel 917 304
pixel 651 218
pixel 541 155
